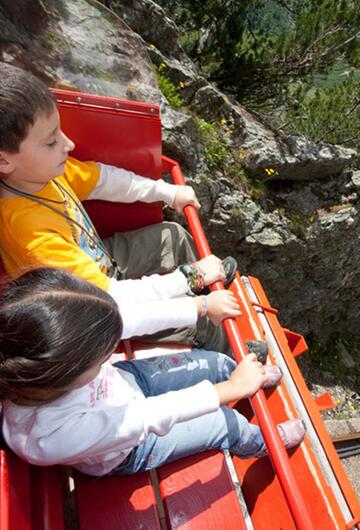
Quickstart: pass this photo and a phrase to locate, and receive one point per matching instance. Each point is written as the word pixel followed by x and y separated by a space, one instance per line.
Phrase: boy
pixel 42 222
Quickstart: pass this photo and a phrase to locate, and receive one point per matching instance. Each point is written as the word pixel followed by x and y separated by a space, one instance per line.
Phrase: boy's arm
pixel 146 319
pixel 132 296
pixel 119 185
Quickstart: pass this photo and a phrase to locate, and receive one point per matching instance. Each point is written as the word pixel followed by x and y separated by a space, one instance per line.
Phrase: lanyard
pixel 113 272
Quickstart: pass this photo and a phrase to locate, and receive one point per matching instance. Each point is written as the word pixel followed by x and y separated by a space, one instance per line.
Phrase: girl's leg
pixel 159 375
pixel 224 429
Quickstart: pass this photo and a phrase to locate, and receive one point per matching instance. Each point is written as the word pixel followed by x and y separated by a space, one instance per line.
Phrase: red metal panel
pixel 4 492
pixel 296 342
pixel 198 494
pixel 46 498
pixel 110 218
pixel 317 493
pixel 325 401
pixel 116 503
pixel 19 493
pixel 318 423
pixel 113 135
pixel 121 133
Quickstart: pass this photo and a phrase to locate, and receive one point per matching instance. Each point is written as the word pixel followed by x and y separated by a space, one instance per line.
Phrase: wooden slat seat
pixel 116 503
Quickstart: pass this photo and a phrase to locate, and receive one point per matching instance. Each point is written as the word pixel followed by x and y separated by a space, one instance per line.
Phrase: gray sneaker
pixel 259 347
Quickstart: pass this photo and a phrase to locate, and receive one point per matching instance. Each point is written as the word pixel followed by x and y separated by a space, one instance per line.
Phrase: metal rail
pixel 347 445
pixel 277 452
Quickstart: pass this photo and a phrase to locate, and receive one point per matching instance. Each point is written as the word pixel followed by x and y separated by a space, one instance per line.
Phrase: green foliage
pixel 258 47
pixel 328 357
pixel 296 61
pixel 215 147
pixel 169 90
pixel 330 112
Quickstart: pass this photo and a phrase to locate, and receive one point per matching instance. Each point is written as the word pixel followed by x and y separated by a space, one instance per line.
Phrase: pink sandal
pixel 291 432
pixel 273 374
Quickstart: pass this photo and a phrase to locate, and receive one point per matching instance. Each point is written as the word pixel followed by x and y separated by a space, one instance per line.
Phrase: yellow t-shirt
pixel 32 235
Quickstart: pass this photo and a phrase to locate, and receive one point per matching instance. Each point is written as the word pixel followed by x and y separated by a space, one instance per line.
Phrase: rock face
pixel 79 44
pixel 306 257
pixel 298 233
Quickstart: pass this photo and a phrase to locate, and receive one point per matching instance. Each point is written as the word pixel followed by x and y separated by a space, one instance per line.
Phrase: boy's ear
pixel 6 165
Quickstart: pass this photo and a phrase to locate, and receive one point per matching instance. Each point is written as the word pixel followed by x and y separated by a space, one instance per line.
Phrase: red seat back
pixel 121 133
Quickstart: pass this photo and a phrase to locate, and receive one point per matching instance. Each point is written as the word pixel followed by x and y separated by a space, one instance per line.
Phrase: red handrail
pixel 277 452
pixel 4 492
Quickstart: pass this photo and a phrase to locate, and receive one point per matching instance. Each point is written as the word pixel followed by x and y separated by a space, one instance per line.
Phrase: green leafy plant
pixel 215 147
pixel 168 89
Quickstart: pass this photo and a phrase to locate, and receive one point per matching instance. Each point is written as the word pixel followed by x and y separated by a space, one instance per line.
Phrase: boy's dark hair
pixel 22 97
pixel 53 327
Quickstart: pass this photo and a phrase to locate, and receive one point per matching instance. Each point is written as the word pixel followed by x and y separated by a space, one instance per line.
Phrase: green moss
pixel 297 225
pixel 168 89
pixel 215 147
pixel 327 356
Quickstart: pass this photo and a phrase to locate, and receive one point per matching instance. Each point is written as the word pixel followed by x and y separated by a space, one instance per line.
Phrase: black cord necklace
pixel 97 241
pixel 25 194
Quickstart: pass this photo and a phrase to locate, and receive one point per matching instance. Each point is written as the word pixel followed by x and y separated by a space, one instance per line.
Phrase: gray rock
pixel 149 20
pixel 288 157
pixel 180 139
pixel 112 62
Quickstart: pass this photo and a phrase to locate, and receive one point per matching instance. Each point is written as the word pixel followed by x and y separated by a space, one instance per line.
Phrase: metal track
pixel 347 445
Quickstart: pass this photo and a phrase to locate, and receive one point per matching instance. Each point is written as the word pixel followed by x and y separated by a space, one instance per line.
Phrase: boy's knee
pixel 180 241
pixel 175 230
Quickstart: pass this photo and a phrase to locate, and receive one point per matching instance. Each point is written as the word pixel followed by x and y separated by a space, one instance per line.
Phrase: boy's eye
pixel 51 144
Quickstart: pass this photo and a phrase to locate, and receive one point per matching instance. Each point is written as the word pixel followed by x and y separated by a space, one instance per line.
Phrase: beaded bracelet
pixel 194 277
pixel 204 306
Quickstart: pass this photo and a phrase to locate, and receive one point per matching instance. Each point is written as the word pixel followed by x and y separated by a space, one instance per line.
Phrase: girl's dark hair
pixel 53 327
pixel 22 97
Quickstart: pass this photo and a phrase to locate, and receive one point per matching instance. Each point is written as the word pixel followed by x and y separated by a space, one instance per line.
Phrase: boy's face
pixel 42 155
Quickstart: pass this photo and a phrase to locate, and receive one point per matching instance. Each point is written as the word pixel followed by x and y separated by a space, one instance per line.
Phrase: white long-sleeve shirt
pixel 95 427
pixel 142 302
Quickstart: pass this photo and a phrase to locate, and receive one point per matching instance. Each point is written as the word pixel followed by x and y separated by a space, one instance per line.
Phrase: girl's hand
pixel 185 196
pixel 222 304
pixel 212 269
pixel 244 381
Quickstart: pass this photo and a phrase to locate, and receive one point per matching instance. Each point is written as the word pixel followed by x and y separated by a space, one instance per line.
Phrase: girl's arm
pixel 144 319
pixel 71 432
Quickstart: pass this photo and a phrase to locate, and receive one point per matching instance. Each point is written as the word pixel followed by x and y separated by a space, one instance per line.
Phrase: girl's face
pixel 39 396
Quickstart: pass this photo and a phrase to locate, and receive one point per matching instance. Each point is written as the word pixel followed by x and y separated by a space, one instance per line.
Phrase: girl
pixel 64 403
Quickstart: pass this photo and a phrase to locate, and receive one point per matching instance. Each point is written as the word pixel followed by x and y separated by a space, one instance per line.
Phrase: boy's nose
pixel 69 145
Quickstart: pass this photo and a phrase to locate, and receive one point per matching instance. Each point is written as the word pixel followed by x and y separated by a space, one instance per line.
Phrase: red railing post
pixel 4 492
pixel 277 451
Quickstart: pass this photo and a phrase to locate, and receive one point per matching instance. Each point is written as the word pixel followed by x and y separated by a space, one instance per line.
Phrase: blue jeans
pixel 224 429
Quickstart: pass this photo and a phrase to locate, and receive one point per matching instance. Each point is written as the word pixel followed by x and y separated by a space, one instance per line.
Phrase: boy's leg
pixel 224 429
pixel 158 248
pixel 203 335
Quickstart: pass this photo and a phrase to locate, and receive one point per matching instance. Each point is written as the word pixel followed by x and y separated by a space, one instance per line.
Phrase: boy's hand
pixel 185 196
pixel 222 304
pixel 212 269
pixel 244 381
